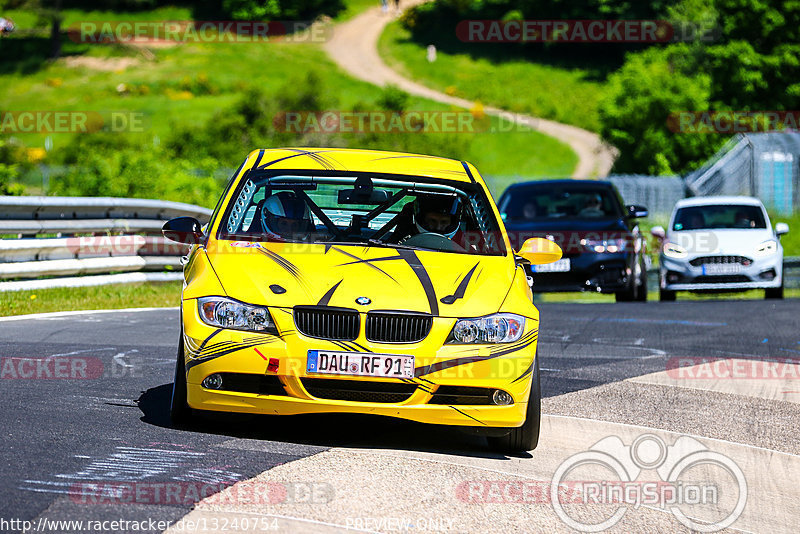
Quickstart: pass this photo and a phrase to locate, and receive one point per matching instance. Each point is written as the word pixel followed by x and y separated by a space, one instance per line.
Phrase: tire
pixel 665 295
pixel 634 292
pixel 774 292
pixel 641 289
pixel 179 411
pixel 625 296
pixel 525 437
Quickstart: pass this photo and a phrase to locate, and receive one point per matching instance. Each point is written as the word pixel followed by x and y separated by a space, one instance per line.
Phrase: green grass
pixel 187 83
pixel 111 297
pixel 353 8
pixel 562 94
pixel 790 241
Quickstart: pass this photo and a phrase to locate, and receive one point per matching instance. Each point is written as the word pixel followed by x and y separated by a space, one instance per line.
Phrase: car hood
pixel 286 275
pixel 726 241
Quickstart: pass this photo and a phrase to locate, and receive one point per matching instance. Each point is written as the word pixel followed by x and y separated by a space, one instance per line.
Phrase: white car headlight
pixel 497 328
pixel 227 313
pixel 605 245
pixel 767 248
pixel 673 250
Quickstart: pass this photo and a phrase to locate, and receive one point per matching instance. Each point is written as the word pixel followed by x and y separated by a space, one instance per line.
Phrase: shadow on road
pixel 323 430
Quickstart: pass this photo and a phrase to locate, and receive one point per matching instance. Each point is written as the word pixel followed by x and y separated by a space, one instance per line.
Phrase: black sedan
pixel 604 251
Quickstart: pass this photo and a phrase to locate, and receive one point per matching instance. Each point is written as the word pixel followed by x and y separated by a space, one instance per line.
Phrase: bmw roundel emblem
pixel 363 301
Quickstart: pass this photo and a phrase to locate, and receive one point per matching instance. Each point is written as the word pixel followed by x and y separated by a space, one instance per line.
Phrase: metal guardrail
pixel 90 236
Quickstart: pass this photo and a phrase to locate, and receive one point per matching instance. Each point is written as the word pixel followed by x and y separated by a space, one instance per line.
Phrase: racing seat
pixel 255 225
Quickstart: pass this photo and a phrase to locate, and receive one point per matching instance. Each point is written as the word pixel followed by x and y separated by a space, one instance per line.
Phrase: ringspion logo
pixel 705 491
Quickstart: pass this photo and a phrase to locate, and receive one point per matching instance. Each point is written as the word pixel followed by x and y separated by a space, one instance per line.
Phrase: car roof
pixel 561 181
pixel 357 160
pixel 718 201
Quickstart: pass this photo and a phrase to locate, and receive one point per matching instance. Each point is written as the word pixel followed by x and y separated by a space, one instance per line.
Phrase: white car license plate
pixel 360 364
pixel 722 268
pixel 560 266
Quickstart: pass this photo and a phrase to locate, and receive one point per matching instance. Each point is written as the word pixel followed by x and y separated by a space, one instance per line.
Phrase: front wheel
pixel 641 296
pixel 525 437
pixel 179 411
pixel 665 295
pixel 774 292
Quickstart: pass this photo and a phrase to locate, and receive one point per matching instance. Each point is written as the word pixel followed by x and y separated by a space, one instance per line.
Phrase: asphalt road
pixel 60 434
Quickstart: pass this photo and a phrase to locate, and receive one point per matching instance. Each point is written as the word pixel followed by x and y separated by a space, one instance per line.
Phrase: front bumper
pixel 681 275
pixel 282 360
pixel 601 273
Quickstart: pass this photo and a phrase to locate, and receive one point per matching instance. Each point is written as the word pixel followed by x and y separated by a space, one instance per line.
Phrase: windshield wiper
pixel 374 243
pixel 379 243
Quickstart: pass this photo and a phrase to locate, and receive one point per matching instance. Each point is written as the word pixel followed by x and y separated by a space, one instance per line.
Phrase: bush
pixel 140 172
pixel 185 166
pixel 280 9
pixel 393 99
pixel 10 154
pixel 639 100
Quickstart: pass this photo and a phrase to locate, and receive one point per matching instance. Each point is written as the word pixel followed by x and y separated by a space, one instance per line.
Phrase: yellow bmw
pixel 356 281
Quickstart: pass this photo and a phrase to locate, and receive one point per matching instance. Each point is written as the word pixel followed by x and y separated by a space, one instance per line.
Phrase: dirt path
pixel 354 46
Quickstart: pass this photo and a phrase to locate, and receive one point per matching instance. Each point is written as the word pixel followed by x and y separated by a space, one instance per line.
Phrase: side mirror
pixel 658 231
pixel 539 250
pixel 636 212
pixel 183 230
pixel 781 228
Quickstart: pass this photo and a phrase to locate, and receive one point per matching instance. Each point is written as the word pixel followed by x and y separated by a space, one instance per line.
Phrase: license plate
pixel 560 266
pixel 722 268
pixel 360 364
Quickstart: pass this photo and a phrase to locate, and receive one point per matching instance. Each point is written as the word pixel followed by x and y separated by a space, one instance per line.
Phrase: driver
pixel 286 217
pixel 593 207
pixel 438 214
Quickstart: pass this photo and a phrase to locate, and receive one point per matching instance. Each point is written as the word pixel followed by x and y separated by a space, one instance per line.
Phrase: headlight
pixel 673 250
pixel 767 248
pixel 605 245
pixel 226 313
pixel 497 328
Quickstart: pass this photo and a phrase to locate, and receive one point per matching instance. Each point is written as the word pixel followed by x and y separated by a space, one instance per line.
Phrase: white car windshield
pixel 715 217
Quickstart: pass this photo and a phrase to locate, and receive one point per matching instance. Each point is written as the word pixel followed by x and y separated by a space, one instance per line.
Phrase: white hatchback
pixel 720 243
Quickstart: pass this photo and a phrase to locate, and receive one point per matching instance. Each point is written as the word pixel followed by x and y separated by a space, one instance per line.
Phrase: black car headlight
pixel 496 328
pixel 227 313
pixel 605 245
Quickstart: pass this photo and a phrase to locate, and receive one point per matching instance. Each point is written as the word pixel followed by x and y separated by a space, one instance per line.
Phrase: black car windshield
pixel 715 217
pixel 559 202
pixel 385 210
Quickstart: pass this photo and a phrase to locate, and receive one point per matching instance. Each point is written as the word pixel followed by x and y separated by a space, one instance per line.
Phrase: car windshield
pixel 712 217
pixel 570 202
pixel 394 211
